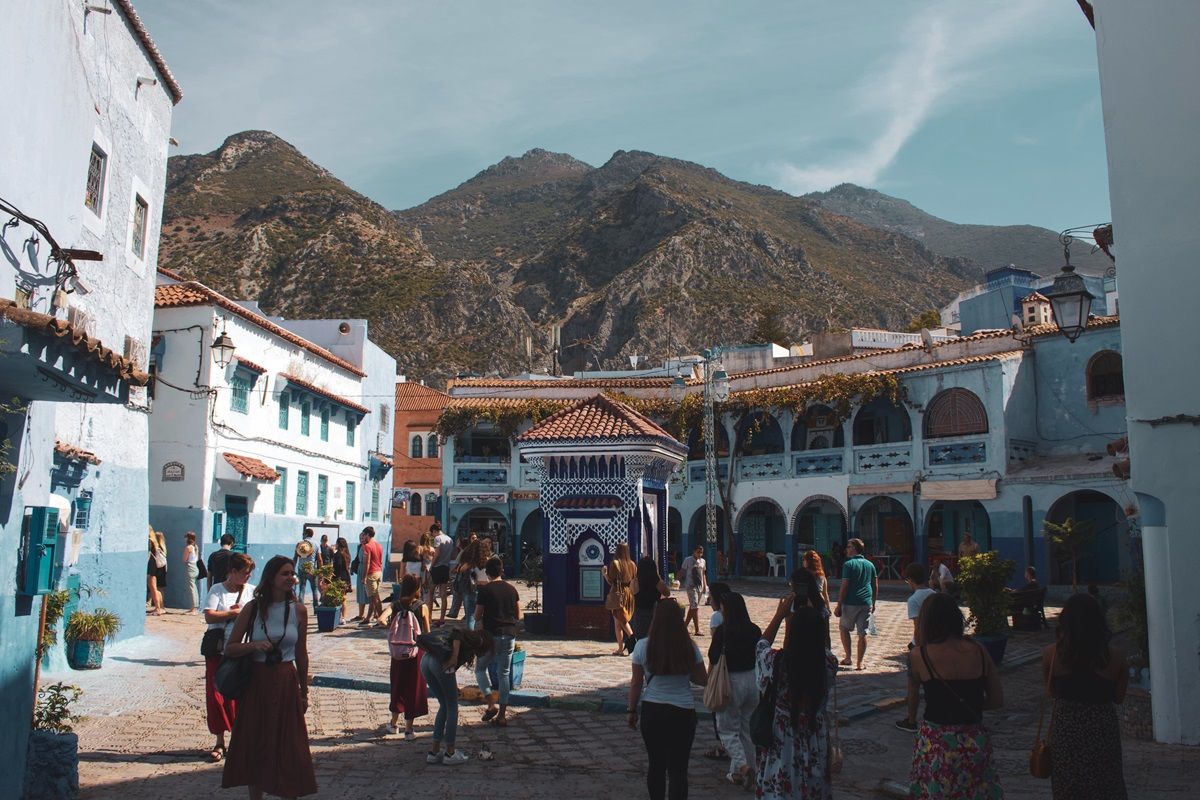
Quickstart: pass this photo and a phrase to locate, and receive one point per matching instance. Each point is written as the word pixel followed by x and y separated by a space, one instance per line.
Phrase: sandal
pixel 216 754
pixel 490 714
pixel 716 753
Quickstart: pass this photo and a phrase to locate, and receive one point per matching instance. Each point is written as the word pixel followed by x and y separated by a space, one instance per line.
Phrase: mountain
pixel 643 254
pixel 988 246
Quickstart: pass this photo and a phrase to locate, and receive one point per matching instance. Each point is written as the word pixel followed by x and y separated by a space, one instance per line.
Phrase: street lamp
pixel 716 390
pixel 222 349
pixel 1070 301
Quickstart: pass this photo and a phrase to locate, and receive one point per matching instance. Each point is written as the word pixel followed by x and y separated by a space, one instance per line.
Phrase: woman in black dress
pixel 648 588
pixel 341 568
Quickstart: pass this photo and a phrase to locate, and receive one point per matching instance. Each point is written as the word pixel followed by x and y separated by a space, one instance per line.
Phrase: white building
pixel 286 435
pixel 85 121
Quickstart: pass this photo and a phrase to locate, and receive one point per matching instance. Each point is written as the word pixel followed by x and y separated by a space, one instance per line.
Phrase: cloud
pixel 945 48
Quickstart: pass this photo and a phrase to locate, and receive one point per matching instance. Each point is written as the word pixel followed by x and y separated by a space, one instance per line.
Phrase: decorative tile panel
pixel 952 454
pixel 883 458
pixel 1021 450
pixel 468 476
pixel 819 462
pixel 761 468
pixel 696 472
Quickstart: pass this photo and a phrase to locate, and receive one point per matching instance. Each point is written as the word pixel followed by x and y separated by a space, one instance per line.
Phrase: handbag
pixel 1040 762
pixel 160 559
pixel 202 571
pixel 719 688
pixel 212 644
pixel 762 719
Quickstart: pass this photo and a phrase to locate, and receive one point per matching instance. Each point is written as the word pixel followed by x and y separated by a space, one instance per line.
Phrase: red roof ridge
pixel 596 417
pixel 77 336
pixel 139 29
pixel 70 451
pixel 194 293
pixel 251 467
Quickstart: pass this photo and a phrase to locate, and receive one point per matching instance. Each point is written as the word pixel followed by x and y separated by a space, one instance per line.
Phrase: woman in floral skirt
pixel 952 758
pixel 797 764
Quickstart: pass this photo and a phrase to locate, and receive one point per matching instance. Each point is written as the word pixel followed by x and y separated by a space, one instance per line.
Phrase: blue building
pixel 992 304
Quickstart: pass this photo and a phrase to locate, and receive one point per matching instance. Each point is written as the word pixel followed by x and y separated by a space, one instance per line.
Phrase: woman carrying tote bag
pixel 735 639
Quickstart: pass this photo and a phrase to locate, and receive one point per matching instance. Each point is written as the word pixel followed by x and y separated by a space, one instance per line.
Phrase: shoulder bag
pixel 762 719
pixel 201 570
pixel 233 673
pixel 213 641
pixel 1040 762
pixel 719 688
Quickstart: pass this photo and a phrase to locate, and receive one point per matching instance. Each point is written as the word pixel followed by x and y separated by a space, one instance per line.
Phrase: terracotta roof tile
pixel 74 453
pixel 1035 297
pixel 502 402
pixel 192 293
pixel 419 397
pixel 251 467
pixel 250 365
pixel 88 347
pixel 328 395
pixel 561 383
pixel 151 48
pixel 597 417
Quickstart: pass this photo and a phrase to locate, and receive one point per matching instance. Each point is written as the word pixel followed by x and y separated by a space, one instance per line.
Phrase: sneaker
pixel 410 736
pixel 458 757
pixel 392 729
pixel 906 725
pixel 433 758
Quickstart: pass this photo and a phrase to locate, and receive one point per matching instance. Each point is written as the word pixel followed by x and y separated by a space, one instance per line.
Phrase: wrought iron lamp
pixel 1070 300
pixel 222 349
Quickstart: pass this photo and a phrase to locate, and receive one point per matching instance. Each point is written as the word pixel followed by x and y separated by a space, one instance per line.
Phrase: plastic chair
pixel 776 561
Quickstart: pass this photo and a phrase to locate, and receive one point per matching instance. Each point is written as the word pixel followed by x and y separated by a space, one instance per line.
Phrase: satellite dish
pixel 927 339
pixel 1016 322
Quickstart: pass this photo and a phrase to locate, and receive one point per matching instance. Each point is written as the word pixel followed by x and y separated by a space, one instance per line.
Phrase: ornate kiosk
pixel 604 470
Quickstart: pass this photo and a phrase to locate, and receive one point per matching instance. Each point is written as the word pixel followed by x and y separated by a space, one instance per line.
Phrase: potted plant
pixel 86 634
pixel 531 575
pixel 983 579
pixel 333 594
pixel 1070 537
pixel 52 759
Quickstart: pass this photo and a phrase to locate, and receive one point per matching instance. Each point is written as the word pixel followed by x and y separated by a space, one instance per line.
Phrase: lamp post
pixel 222 349
pixel 1070 301
pixel 716 390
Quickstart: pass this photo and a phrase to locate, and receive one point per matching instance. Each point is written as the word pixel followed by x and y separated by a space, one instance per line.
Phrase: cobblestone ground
pixel 144 734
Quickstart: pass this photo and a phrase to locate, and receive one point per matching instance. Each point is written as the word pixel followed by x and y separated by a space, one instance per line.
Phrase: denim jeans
pixel 444 688
pixel 502 654
pixel 305 579
pixel 469 608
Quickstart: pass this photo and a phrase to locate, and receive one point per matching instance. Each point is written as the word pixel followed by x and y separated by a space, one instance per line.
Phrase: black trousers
pixel 668 732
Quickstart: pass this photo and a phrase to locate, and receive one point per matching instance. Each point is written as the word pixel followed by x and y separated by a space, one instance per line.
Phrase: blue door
pixel 237 520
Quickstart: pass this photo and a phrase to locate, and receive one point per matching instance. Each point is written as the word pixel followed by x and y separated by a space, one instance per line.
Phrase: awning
pixel 882 488
pixel 975 489
pixel 245 467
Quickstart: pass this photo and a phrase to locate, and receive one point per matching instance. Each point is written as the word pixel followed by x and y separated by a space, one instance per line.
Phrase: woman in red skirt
pixel 410 618
pixel 268 751
pixel 221 608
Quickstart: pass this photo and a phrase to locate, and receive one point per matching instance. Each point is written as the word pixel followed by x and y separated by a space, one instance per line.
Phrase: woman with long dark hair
pixel 472 574
pixel 648 588
pixel 268 751
pixel 1087 678
pixel 441 676
pixel 952 756
pixel 341 570
pixel 221 607
pixel 619 576
pixel 735 640
pixel 797 764
pixel 665 664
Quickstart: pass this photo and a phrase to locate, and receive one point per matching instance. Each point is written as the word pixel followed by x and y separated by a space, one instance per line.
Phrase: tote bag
pixel 718 689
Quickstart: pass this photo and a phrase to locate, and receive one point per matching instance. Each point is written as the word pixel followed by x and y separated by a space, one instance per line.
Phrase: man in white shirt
pixel 439 573
pixel 695 583
pixel 917 578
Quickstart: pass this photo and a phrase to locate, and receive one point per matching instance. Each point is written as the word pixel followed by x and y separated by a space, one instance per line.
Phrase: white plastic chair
pixel 776 561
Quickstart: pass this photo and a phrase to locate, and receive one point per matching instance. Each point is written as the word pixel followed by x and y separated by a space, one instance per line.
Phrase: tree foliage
pixel 926 319
pixel 1070 537
pixel 983 578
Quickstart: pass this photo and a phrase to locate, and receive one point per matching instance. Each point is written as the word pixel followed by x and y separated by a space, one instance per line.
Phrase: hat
pixel 304 549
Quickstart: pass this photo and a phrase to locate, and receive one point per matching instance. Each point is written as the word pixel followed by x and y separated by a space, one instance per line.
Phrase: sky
pixel 984 111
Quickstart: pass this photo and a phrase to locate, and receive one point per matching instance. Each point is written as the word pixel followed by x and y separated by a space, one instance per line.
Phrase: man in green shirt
pixel 856 600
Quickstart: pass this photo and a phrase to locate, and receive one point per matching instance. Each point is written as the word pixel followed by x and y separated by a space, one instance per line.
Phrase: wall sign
pixel 172 471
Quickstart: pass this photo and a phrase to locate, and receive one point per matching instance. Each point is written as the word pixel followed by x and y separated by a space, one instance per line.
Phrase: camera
pixel 274 656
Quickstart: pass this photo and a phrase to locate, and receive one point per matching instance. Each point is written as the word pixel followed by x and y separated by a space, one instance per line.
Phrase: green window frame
pixel 82 517
pixel 322 496
pixel 281 491
pixel 302 494
pixel 305 411
pixel 239 394
pixel 324 424
pixel 285 406
pixel 351 427
pixel 350 487
pixel 374 499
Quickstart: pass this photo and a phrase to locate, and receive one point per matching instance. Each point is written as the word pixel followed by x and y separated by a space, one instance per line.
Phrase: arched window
pixel 696 442
pixel 818 428
pixel 955 412
pixel 417 446
pixel 432 450
pixel 431 505
pixel 414 504
pixel 759 434
pixel 1105 376
pixel 881 421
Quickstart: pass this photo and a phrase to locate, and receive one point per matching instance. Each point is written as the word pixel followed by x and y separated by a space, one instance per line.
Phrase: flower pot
pixel 516 673
pixel 85 653
pixel 52 766
pixel 995 646
pixel 328 618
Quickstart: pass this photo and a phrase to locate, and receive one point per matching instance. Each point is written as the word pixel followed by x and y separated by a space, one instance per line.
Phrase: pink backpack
pixel 402 641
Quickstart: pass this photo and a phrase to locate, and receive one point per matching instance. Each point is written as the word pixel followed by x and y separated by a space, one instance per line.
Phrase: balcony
pixel 878 458
pixel 761 468
pixel 696 471
pixel 481 476
pixel 818 462
pixel 956 454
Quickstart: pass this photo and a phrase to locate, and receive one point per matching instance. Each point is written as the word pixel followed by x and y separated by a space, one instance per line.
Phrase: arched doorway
pixel 818 428
pixel 674 536
pixel 531 534
pixel 696 442
pixel 948 520
pixel 1105 553
pixel 820 522
pixel 761 530
pixel 759 434
pixel 881 421
pixel 489 522
pixel 886 529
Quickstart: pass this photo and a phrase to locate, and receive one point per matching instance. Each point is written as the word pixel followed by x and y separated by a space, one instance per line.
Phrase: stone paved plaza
pixel 144 734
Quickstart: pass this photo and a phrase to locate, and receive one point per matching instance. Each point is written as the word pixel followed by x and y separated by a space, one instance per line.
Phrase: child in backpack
pixel 409 696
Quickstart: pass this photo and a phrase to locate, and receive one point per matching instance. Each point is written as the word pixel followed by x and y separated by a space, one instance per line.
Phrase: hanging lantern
pixel 222 350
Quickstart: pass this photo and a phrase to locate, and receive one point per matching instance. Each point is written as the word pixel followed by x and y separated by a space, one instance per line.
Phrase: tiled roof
pixel 1035 297
pixel 385 460
pixel 251 467
pixel 501 402
pixel 419 397
pixel 328 395
pixel 172 274
pixel 160 63
pixel 1051 329
pixel 250 365
pixel 74 453
pixel 192 293
pixel 597 417
pixel 561 383
pixel 86 345
pixel 606 501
